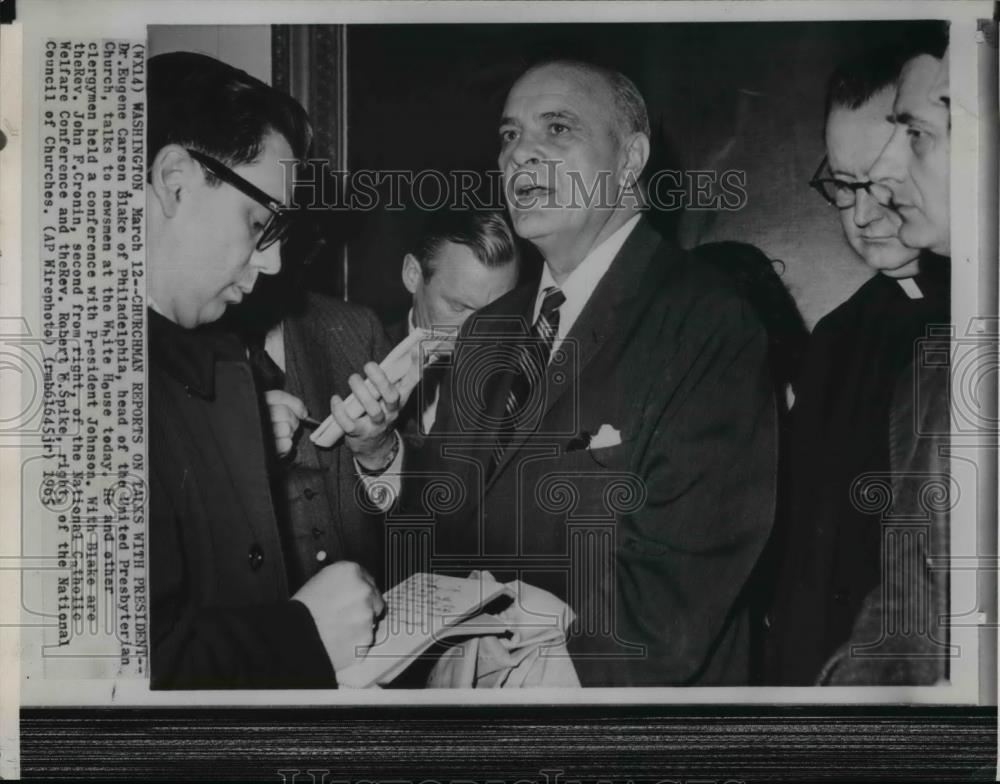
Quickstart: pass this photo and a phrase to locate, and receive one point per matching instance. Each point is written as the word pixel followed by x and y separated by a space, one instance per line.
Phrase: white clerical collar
pixel 910 288
pixel 582 281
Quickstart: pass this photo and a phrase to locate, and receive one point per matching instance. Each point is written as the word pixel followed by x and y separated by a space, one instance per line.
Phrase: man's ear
pixel 171 176
pixel 413 275
pixel 635 152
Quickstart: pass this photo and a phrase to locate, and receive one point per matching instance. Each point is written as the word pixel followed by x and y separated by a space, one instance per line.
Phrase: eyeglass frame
pixel 816 183
pixel 279 211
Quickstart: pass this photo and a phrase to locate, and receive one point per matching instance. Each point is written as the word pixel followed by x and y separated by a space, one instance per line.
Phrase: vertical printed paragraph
pixel 90 479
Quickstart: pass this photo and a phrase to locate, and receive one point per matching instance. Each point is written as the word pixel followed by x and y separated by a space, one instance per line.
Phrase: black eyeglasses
pixel 839 193
pixel 277 225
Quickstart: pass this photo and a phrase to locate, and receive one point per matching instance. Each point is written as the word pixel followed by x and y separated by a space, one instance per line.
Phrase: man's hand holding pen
pixel 286 412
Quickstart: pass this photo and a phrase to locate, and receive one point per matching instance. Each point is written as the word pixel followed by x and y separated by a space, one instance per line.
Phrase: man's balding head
pixel 631 115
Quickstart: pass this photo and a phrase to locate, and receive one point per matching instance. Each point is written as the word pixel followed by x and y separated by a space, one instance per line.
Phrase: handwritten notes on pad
pixel 419 611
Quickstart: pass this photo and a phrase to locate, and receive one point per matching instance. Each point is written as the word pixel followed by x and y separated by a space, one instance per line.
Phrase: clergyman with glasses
pixel 222 614
pixel 840 420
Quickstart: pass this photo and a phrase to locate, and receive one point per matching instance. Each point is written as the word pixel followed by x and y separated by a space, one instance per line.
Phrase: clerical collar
pixel 932 281
pixel 910 288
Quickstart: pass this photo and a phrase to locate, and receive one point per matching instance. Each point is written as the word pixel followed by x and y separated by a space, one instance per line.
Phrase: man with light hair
pixel 463 261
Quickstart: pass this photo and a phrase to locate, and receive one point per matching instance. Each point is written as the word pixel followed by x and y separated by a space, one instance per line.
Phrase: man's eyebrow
pixel 560 114
pixel 905 118
pixel 509 121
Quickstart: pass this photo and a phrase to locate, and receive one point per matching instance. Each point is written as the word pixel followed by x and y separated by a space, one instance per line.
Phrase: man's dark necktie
pixel 532 361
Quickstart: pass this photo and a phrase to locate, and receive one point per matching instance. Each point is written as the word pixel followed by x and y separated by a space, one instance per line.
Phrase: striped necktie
pixel 532 361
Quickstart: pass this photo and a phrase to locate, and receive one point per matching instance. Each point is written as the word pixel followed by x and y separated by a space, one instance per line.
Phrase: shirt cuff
pixel 383 490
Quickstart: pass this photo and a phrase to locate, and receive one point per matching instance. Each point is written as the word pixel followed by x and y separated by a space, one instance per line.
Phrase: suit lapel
pixel 307 381
pixel 609 310
pixel 515 326
pixel 511 321
pixel 611 305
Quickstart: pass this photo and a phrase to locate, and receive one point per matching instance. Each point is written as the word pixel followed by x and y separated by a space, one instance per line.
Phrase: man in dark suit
pixel 326 501
pixel 609 433
pixel 322 497
pixel 221 611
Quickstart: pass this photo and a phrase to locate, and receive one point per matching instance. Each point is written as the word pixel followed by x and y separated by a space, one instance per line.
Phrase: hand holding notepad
pixel 528 633
pixel 404 367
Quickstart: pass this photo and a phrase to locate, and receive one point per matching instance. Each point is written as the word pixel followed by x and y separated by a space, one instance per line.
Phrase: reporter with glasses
pixel 832 557
pixel 221 614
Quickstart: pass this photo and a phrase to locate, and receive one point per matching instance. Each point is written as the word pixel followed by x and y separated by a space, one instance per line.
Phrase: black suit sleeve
pixel 708 467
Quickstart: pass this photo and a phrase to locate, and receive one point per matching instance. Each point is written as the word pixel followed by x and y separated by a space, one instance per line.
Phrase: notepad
pixel 420 611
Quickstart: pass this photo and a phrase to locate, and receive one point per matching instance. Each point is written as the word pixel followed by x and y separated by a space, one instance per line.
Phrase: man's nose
pixel 866 208
pixel 890 166
pixel 525 150
pixel 268 261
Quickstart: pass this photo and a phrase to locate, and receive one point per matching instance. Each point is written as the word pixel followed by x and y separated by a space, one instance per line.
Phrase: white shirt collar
pixel 582 281
pixel 410 323
pixel 910 287
pixel 274 344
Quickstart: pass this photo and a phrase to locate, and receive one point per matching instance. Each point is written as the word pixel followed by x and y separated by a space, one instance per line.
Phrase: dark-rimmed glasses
pixel 277 225
pixel 838 193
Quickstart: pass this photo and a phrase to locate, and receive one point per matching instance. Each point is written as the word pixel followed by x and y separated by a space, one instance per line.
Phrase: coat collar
pixel 189 355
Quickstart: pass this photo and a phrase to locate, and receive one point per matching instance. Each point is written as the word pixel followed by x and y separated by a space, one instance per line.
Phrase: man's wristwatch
pixel 397 442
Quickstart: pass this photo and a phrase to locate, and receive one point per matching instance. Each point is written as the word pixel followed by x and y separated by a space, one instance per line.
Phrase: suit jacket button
pixel 255 557
pixel 321 556
pixel 309 493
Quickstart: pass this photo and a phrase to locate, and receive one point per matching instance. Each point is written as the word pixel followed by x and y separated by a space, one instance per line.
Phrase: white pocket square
pixel 606 436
